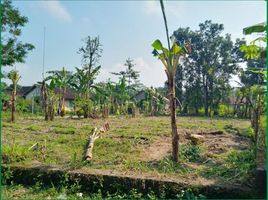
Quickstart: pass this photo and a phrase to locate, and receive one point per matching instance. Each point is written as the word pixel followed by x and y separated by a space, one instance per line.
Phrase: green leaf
pixel 257 28
pixel 157 45
pixel 259 71
pixel 175 49
pixel 155 52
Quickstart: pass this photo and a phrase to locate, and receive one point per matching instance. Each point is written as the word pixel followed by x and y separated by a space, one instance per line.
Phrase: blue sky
pixel 126 29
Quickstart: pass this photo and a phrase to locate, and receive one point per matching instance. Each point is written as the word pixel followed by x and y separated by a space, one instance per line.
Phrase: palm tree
pixel 170 58
pixel 14 77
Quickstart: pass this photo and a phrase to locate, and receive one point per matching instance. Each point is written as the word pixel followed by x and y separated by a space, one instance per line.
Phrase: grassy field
pixel 139 145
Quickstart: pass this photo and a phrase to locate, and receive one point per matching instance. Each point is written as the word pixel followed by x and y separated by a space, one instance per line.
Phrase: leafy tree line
pixel 203 77
pixel 93 99
pixel 90 97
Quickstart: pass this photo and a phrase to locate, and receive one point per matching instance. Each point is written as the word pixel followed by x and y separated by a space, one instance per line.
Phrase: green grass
pixel 34 128
pixel 67 130
pixel 15 153
pixel 235 166
pixel 62 142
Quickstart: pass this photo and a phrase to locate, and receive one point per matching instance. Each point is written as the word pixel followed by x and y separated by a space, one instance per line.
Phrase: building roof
pixel 25 90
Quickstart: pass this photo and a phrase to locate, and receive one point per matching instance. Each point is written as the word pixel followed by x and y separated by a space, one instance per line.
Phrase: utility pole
pixel 43 72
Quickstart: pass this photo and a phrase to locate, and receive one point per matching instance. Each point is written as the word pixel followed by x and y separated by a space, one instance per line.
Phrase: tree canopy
pixel 13 50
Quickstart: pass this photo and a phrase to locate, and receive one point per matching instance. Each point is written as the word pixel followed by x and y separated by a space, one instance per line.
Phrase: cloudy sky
pixel 126 29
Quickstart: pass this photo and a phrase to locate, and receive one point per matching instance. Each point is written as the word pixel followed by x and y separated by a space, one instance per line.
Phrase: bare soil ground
pixel 218 143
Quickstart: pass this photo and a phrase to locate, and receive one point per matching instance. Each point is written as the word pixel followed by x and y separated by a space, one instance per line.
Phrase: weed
pixel 190 152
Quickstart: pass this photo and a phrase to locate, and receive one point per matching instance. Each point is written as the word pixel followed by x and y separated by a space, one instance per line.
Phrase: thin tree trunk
pixel 51 110
pixel 206 95
pixel 45 100
pixel 13 108
pixel 175 136
pixel 62 109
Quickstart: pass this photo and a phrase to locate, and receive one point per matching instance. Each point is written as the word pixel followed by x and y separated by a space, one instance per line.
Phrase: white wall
pixel 35 92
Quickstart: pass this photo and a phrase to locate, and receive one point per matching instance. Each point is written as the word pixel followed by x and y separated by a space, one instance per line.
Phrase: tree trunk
pixel 45 100
pixel 62 109
pixel 206 96
pixel 175 136
pixel 13 107
pixel 51 110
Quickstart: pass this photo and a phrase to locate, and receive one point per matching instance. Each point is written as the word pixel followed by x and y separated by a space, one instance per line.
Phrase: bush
pixel 201 111
pixel 23 105
pixel 224 111
pixel 190 152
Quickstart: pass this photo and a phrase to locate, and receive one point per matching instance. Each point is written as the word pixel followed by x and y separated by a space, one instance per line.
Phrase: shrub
pixel 23 105
pixel 223 111
pixel 190 152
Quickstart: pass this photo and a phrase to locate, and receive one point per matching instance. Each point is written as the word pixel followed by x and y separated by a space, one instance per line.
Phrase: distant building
pixel 28 92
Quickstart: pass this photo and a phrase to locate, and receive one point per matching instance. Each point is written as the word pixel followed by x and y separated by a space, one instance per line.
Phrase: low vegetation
pixel 123 147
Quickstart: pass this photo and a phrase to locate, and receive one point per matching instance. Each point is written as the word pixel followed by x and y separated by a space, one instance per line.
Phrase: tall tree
pixel 130 75
pixel 170 59
pixel 12 51
pixel 91 54
pixel 210 65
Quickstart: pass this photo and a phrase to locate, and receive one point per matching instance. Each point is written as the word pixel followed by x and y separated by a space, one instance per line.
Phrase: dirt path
pixel 157 150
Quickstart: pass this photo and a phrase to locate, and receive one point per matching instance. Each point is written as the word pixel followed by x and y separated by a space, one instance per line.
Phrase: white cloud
pixel 152 7
pixel 151 73
pixel 57 10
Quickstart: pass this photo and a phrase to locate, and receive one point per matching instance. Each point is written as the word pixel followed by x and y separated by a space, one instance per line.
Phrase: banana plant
pixel 53 97
pixel 254 51
pixel 170 58
pixel 63 80
pixel 14 77
pixel 257 99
